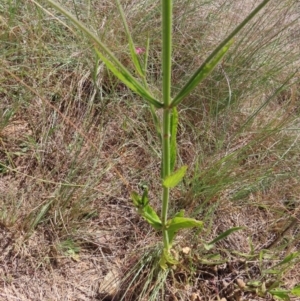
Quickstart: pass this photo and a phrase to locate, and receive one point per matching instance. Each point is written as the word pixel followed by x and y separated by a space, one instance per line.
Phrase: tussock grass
pixel 74 142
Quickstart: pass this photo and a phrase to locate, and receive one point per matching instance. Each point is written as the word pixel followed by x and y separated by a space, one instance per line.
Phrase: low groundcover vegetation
pixel 149 150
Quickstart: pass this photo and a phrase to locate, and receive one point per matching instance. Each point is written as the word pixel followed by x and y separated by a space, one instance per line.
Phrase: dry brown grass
pixel 72 149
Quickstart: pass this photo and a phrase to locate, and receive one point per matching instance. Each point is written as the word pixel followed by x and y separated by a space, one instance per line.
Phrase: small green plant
pixel 167 127
pixel 270 280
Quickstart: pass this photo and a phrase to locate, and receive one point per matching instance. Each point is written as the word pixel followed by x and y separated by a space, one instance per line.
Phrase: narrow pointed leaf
pixel 145 210
pixel 272 272
pixel 133 53
pixel 280 294
pixel 296 291
pixel 208 247
pixel 171 235
pixel 288 258
pixel 174 125
pixel 205 69
pixel 88 33
pixel 224 235
pixel 177 223
pixel 217 52
pixel 173 179
pixel 135 198
pixel 274 285
pixel 40 215
pixel 179 214
pixel 129 80
pixel 82 27
pixel 109 56
pixel 248 256
pixel 254 283
pixel 145 199
pixel 149 214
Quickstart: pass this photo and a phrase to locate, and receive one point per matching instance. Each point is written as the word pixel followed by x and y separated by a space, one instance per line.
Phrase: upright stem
pixel 166 89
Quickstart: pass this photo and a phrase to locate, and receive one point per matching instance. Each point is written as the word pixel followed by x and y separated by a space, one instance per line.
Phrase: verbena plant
pixel 167 127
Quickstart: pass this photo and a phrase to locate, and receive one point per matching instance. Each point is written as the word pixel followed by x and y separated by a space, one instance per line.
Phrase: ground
pixel 75 142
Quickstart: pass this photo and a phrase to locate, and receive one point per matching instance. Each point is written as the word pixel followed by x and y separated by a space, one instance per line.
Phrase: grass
pixel 75 142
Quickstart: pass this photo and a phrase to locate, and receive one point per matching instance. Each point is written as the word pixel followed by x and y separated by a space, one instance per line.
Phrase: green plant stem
pixel 166 89
pixel 166 164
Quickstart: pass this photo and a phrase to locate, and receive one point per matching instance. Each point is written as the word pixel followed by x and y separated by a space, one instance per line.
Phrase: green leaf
pixel 149 214
pixel 44 210
pixel 166 258
pixel 215 256
pixel 208 247
pixel 145 210
pixel 145 199
pixel 204 70
pixel 108 58
pixel 135 198
pixel 214 57
pixel 272 272
pixel 288 258
pixel 296 291
pixel 133 53
pixel 124 75
pixel 173 144
pixel 280 294
pixel 208 262
pixel 140 201
pixel 179 214
pixel 163 263
pixel 248 256
pixel 177 223
pixel 254 283
pixel 173 179
pixel 274 285
pixel 224 235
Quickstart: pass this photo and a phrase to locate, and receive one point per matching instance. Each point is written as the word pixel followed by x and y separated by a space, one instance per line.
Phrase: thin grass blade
pixel 40 215
pixel 133 53
pixel 219 51
pixel 268 100
pixel 146 55
pixel 108 57
pixel 222 236
pixel 288 258
pixel 88 33
pixel 129 80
